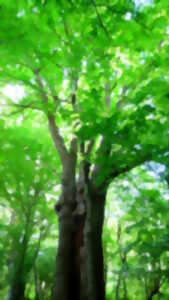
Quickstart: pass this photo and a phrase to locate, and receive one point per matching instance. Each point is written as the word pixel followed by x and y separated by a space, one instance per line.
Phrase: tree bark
pixel 17 290
pixel 154 291
pixel 67 279
pixel 117 292
pixel 93 245
pixel 79 263
pixel 18 285
pixel 36 283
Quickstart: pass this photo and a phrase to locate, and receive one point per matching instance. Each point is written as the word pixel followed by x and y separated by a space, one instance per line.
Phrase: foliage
pixel 100 69
pixel 138 253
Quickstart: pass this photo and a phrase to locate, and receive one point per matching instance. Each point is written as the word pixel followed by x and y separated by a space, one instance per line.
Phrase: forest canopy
pixel 84 157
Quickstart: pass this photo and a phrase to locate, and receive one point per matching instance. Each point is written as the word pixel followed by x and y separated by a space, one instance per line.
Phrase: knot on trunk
pixel 58 206
pixel 64 209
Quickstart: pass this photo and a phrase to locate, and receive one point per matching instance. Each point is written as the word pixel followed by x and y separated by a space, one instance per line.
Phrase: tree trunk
pixel 37 293
pixel 67 278
pixel 79 263
pixel 154 291
pixel 125 296
pixel 117 292
pixel 17 290
pixel 93 245
pixel 18 285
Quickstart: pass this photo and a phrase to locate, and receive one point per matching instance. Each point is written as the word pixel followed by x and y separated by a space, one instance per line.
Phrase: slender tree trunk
pixel 18 285
pixel 125 296
pixel 17 290
pixel 118 287
pixel 37 293
pixel 154 291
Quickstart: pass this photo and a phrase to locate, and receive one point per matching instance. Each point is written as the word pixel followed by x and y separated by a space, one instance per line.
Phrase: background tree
pixel 140 205
pixel 27 217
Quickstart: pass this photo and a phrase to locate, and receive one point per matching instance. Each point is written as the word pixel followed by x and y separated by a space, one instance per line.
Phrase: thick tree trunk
pixel 67 280
pixel 79 263
pixel 67 277
pixel 93 245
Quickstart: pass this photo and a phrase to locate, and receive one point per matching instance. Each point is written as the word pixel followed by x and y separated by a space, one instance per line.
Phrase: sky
pixel 14 92
pixel 143 2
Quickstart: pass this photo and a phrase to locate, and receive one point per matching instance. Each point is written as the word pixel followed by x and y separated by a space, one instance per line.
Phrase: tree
pixel 104 95
pixel 140 258
pixel 25 221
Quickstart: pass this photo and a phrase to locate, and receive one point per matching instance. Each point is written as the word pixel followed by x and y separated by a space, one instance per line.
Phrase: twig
pixel 100 19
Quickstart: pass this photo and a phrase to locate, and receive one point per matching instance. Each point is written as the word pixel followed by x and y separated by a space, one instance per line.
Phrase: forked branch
pixel 54 130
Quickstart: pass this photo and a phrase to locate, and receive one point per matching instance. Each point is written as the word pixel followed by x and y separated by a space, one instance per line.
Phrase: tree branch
pixel 22 107
pixel 57 138
pixel 100 19
pixel 103 147
pixel 16 80
pixel 41 86
pixel 139 160
pixel 54 130
pixel 90 147
pixel 74 90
